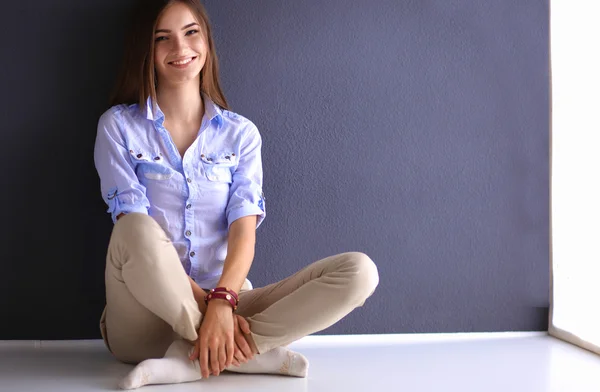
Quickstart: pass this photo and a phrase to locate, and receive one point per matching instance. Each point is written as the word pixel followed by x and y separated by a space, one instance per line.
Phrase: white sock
pixel 176 367
pixel 280 360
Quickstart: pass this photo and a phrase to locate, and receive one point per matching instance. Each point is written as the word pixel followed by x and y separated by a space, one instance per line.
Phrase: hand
pixel 242 352
pixel 215 341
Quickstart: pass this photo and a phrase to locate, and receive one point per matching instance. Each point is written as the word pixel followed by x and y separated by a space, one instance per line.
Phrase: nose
pixel 179 46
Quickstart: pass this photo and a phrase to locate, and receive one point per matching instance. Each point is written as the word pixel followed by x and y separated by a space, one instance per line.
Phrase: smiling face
pixel 180 47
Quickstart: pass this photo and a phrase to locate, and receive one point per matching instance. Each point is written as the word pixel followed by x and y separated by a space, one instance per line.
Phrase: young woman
pixel 182 177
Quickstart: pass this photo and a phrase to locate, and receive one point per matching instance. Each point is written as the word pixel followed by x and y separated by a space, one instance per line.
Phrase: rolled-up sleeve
pixel 119 185
pixel 246 193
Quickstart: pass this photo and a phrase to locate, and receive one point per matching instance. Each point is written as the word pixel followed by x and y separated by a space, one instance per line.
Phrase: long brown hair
pixel 137 78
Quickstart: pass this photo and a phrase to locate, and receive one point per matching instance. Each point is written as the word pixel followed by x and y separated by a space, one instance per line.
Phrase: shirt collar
pixel 211 110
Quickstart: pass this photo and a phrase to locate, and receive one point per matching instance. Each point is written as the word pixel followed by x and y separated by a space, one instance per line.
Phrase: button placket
pixel 188 171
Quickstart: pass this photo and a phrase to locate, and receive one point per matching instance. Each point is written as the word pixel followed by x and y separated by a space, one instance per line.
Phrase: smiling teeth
pixel 182 62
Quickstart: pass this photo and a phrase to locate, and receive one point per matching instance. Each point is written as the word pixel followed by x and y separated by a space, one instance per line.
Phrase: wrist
pixel 202 307
pixel 199 295
pixel 224 295
pixel 219 304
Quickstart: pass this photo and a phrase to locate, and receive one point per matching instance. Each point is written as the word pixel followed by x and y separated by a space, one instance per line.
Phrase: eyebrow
pixel 183 28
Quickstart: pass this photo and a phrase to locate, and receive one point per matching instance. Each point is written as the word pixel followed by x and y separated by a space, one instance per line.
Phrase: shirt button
pixel 188 206
pixel 189 180
pixel 193 254
pixel 188 233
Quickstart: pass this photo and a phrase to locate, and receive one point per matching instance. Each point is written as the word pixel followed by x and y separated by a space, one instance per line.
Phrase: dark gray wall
pixel 413 131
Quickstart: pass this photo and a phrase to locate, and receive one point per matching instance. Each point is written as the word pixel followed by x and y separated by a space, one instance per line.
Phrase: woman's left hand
pixel 243 352
pixel 215 342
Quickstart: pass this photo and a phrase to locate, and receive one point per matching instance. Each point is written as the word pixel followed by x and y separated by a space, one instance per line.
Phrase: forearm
pixel 199 295
pixel 240 253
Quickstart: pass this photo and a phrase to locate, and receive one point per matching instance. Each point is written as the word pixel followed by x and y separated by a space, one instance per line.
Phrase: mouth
pixel 183 63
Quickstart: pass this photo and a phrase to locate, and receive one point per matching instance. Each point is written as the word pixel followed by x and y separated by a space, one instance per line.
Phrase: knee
pixel 133 220
pixel 365 276
pixel 136 230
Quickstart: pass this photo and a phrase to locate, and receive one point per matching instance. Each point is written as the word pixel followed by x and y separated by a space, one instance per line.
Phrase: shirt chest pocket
pixel 150 166
pixel 219 166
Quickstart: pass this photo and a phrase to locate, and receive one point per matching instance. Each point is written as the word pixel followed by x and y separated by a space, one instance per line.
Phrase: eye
pixel 160 38
pixel 191 31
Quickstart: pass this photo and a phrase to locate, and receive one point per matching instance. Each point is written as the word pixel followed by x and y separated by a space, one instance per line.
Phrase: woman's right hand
pixel 215 345
pixel 242 352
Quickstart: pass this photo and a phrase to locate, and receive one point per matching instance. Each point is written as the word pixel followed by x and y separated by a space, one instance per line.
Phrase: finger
pixel 222 357
pixel 244 346
pixel 244 325
pixel 239 354
pixel 230 350
pixel 235 363
pixel 214 359
pixel 204 360
pixel 240 342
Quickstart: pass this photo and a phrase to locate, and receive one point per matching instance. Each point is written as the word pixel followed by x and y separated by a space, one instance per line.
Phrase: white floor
pixel 508 362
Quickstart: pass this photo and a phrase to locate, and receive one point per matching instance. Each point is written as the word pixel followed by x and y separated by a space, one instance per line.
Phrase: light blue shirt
pixel 194 198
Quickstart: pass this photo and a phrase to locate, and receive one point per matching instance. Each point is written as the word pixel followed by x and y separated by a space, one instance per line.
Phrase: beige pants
pixel 149 301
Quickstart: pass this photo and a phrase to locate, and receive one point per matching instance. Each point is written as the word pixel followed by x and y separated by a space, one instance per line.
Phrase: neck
pixel 181 104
